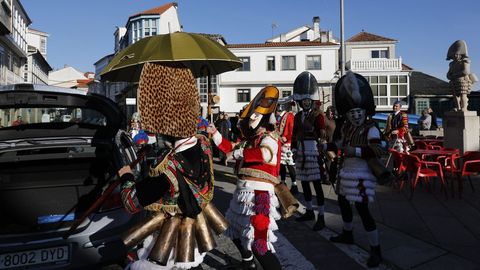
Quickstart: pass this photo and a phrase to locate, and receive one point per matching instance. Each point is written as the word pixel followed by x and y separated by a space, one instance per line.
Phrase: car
pixel 66 118
pixel 381 119
pixel 52 172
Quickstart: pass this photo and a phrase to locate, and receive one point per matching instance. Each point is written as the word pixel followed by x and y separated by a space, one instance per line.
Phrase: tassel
pixel 260 246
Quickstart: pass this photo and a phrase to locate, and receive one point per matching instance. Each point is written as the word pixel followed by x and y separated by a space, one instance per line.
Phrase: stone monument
pixel 461 127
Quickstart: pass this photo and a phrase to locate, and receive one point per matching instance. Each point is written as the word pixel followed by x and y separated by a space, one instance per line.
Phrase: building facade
pixel 374 57
pixel 37 68
pixel 278 62
pixel 14 24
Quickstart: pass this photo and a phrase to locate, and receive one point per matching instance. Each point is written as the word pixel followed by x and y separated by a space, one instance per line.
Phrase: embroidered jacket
pixel 258 157
pixel 398 122
pixel 285 126
pixel 308 126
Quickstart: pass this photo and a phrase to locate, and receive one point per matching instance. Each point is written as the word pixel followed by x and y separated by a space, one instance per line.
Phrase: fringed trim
pixel 357 174
pixel 356 191
pixel 167 209
pixel 260 246
pixel 311 177
pixel 357 198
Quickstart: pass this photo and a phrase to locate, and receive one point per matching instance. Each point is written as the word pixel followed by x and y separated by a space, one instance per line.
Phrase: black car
pixel 58 154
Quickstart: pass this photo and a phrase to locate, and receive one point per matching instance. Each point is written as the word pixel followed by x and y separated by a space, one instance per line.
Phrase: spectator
pixel 235 132
pixel 434 125
pixel 18 122
pixel 1 126
pixel 222 126
pixel 397 128
pixel 425 121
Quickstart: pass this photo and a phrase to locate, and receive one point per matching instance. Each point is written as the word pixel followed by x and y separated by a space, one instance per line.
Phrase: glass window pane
pixel 383 101
pixel 383 79
pixel 393 90
pixel 375 90
pixel 403 90
pixel 374 79
pixel 393 100
pixel 376 101
pixel 403 79
pixel 393 79
pixel 383 90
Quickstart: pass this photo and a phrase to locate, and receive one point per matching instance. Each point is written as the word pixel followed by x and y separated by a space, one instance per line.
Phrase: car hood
pixel 28 97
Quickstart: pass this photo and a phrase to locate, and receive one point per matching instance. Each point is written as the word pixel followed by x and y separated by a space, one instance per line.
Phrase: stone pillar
pixel 462 131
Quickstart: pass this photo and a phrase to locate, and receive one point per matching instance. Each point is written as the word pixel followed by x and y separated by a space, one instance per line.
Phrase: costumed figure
pixel 461 80
pixel 253 210
pixel 285 129
pixel 177 188
pixel 358 139
pixel 396 129
pixel 308 133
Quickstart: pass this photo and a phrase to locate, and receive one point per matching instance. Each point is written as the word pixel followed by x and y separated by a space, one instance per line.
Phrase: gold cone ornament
pixel 288 202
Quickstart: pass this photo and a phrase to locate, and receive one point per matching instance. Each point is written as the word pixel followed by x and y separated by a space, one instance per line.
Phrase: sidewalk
pixel 427 231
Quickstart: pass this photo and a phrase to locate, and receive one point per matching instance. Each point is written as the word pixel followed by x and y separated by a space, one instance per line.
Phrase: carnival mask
pixel 356 116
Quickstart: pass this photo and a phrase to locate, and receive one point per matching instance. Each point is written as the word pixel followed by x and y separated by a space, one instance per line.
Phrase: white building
pixel 69 77
pixel 37 68
pixel 278 62
pixel 374 57
pixel 156 21
pixel 14 22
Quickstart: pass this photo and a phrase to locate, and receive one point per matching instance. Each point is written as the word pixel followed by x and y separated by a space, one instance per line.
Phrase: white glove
pixel 238 154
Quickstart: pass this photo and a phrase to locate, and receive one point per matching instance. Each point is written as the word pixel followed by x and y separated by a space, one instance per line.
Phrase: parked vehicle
pixel 51 172
pixel 381 119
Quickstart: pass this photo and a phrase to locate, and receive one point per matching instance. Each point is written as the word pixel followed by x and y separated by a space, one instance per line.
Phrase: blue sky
pixel 81 32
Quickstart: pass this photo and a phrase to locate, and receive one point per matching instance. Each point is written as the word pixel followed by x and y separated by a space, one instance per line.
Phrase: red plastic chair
pixel 420 145
pixel 471 166
pixel 417 169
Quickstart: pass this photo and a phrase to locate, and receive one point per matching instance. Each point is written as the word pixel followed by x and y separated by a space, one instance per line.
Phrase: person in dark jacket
pixel 222 126
pixel 434 124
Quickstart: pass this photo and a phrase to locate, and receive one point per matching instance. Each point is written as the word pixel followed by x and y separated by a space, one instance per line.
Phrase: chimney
pixel 283 38
pixel 316 28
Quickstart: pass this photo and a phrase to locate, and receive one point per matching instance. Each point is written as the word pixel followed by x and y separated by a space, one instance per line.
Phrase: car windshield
pixel 26 116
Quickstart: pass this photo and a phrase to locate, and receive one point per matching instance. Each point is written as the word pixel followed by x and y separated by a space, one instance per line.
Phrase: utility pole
pixel 342 42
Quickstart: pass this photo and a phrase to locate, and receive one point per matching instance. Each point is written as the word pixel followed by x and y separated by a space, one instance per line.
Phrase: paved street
pixel 427 231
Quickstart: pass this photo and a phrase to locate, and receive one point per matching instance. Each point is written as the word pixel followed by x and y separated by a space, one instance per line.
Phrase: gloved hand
pixel 238 154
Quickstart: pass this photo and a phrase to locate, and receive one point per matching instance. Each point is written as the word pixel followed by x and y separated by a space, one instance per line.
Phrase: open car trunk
pixel 45 189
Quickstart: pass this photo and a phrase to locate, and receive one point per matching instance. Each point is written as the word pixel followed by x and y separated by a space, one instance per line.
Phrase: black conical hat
pixel 305 86
pixel 353 91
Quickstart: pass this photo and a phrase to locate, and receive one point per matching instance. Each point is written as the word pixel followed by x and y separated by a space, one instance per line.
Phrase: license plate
pixel 52 255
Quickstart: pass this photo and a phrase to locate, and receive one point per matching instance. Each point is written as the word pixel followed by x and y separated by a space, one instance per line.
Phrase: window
pixel 288 63
pixel 270 63
pixel 380 54
pixel 243 95
pixel 43 45
pixel 379 89
pixel 286 93
pixel 246 64
pixel 314 62
pixel 398 88
pixel 202 87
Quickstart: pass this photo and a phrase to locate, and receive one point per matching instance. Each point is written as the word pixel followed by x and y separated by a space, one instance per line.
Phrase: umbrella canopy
pixel 195 51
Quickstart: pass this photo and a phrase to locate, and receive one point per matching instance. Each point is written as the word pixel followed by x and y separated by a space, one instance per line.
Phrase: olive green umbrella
pixel 199 53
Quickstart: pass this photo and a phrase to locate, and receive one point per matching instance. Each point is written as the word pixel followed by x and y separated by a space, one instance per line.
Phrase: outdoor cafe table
pixel 432 152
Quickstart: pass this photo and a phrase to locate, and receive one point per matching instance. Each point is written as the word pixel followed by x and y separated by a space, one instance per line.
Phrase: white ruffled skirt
pixel 307 164
pixel 242 208
pixel 357 182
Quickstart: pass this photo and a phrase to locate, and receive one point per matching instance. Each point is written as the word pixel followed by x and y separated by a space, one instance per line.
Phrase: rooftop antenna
pixel 274 25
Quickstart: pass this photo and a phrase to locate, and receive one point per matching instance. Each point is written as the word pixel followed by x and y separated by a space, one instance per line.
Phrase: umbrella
pixel 200 54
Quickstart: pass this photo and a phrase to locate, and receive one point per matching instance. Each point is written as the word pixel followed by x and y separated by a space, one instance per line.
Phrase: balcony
pixel 375 65
pixel 8 77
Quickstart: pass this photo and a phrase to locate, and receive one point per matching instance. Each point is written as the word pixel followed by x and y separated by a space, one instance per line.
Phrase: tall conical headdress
pixel 353 91
pixel 169 101
pixel 305 86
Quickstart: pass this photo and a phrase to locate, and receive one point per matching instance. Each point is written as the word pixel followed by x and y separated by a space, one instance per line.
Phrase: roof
pixel 155 11
pixel 282 44
pixel 406 67
pixel 368 37
pixel 214 37
pixel 424 84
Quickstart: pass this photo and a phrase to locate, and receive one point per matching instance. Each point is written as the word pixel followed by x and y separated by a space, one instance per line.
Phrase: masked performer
pixel 252 212
pixel 308 130
pixel 358 138
pixel 178 187
pixel 285 129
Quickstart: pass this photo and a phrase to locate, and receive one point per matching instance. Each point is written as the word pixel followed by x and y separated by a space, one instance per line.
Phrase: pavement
pixel 425 231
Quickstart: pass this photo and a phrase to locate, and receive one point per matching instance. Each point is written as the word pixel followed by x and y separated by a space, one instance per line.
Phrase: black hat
pixel 305 86
pixel 353 91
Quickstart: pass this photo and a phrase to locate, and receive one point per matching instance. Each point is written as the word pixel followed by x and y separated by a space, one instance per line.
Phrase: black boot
pixel 320 224
pixel 294 189
pixel 309 215
pixel 346 237
pixel 249 264
pixel 375 256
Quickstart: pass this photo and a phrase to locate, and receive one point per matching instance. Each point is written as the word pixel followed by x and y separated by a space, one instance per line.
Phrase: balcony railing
pixel 375 65
pixel 8 77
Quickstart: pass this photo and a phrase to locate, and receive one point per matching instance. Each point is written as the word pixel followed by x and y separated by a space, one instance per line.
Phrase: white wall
pixel 258 76
pixel 169 22
pixel 362 51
